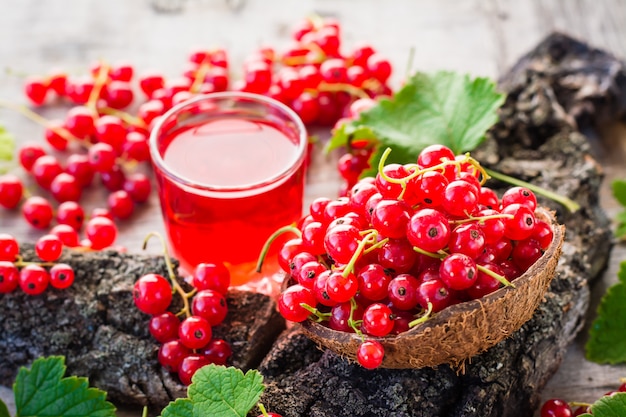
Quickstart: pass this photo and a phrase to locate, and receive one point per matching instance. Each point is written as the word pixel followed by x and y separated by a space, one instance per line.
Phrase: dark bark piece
pixel 104 337
pixel 538 140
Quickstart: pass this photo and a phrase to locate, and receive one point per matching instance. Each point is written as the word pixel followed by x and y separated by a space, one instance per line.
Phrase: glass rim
pixel 295 163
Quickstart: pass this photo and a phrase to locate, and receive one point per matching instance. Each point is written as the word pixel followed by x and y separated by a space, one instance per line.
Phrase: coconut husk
pixel 463 330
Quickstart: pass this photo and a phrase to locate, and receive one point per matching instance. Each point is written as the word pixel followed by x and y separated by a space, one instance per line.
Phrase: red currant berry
pixel 78 165
pixel 460 198
pixel 138 186
pixel 49 248
pixel 341 314
pixel 403 292
pixel 458 271
pixel 34 279
pixel 341 242
pixel 101 232
pixel 152 294
pixel 102 157
pixel 61 276
pixel 189 366
pixel 211 276
pixel 9 248
pixel 36 90
pixel 370 354
pixel 164 327
pixel 11 190
pixel 210 305
pixel 519 195
pixel 80 122
pixel 373 282
pixel 429 230
pixel 37 211
pixel 217 351
pixel 28 154
pixel 67 234
pixel 390 218
pixel 195 332
pixel 121 204
pixel 341 288
pixel 9 277
pixel 45 169
pixel 435 293
pixel 290 303
pixel 522 223
pixel 377 320
pixel 556 408
pixel 468 239
pixel 65 187
pixel 172 353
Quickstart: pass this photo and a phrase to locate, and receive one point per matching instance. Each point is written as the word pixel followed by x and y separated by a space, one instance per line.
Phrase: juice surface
pixel 205 227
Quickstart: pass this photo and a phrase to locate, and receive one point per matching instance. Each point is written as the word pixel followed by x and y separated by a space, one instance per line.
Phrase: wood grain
pixel 482 37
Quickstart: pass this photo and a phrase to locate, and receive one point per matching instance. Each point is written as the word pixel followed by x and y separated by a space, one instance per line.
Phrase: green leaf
pixel 609 406
pixel 218 391
pixel 619 191
pixel 444 108
pixel 225 392
pixel 182 407
pixel 42 391
pixel 4 410
pixel 7 144
pixel 607 336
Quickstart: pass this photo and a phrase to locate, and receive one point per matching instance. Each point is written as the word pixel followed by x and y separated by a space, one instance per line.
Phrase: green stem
pixel 171 274
pixel 367 239
pixel 271 239
pixel 424 316
pixel 569 204
pixel 497 276
pixel 319 316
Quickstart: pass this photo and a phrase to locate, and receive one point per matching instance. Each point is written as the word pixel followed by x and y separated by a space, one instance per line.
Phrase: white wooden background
pixel 481 37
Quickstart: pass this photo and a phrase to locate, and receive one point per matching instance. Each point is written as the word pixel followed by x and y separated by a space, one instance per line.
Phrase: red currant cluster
pixel 187 344
pixel 555 407
pixel 408 243
pixel 32 277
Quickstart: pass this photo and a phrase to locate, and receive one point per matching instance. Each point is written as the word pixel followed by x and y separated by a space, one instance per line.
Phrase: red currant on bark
pixel 164 327
pixel 211 276
pixel 172 353
pixel 61 276
pixel 49 248
pixel 195 332
pixel 152 294
pixel 34 279
pixel 9 277
pixel 188 367
pixel 9 248
pixel 217 351
pixel 210 305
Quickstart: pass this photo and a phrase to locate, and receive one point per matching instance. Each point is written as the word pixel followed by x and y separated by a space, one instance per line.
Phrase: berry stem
pixel 571 205
pixel 170 271
pixel 36 118
pixel 423 317
pixel 336 87
pixel 262 408
pixel 499 277
pixel 126 117
pixel 370 238
pixel 271 239
pixel 319 316
pixel 431 254
pixel 101 79
pixel 481 219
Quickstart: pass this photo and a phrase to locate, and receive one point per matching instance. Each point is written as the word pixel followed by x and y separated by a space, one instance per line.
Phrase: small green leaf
pixel 42 391
pixel 444 108
pixel 182 407
pixel 4 410
pixel 609 406
pixel 619 191
pixel 607 336
pixel 225 392
pixel 7 144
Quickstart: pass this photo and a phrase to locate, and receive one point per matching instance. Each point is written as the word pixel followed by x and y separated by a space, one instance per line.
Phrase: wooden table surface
pixel 481 37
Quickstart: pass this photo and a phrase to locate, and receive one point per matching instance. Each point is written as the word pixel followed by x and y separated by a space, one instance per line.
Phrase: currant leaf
pixel 4 410
pixel 609 406
pixel 43 391
pixel 619 191
pixel 607 337
pixel 182 407
pixel 219 391
pixel 445 108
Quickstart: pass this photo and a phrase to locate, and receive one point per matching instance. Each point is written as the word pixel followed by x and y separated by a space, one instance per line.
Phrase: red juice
pixel 234 192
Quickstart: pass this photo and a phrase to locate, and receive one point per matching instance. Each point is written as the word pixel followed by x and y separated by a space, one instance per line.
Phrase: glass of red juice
pixel 230 171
